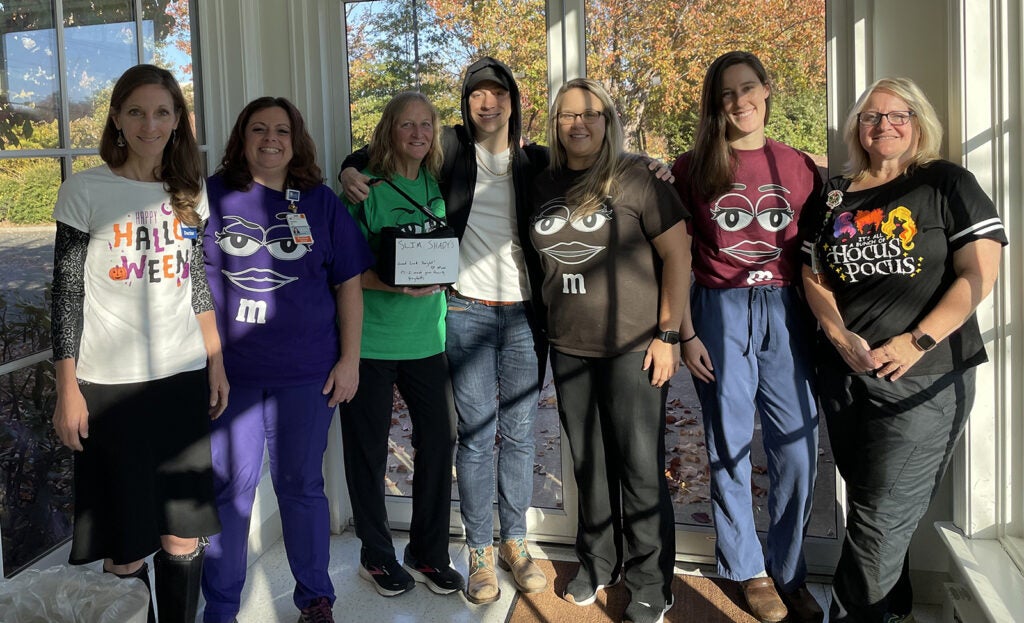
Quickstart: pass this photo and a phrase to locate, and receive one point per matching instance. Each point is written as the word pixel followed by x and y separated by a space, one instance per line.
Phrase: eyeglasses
pixel 589 117
pixel 895 117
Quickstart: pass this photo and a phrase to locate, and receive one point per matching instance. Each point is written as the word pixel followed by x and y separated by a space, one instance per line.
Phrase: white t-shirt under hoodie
pixel 490 253
pixel 138 319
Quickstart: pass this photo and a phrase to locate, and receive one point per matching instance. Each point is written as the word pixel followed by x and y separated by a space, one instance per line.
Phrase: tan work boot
pixel 482 586
pixel 515 557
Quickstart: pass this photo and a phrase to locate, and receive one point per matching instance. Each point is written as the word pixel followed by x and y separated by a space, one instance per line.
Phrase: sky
pixel 96 56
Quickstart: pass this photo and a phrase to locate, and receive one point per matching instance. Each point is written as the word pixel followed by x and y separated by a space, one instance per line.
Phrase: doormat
pixel 708 600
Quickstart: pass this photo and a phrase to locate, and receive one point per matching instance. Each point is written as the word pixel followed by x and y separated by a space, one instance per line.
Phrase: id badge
pixel 189 233
pixel 299 227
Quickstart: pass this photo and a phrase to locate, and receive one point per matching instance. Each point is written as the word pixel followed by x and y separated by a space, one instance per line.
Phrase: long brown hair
pixel 383 159
pixel 303 172
pixel 712 166
pixel 180 168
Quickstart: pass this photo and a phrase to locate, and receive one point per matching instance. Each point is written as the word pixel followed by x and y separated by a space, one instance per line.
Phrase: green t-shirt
pixel 395 325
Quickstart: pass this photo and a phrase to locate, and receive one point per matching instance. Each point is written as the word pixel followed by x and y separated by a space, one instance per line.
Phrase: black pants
pixel 365 421
pixel 615 423
pixel 892 443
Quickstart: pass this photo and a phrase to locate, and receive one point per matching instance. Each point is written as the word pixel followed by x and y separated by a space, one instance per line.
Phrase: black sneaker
pixel 643 612
pixel 388 577
pixel 318 611
pixel 441 580
pixel 581 592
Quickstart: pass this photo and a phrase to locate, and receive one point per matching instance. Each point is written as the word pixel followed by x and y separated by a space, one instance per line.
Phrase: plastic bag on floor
pixel 67 594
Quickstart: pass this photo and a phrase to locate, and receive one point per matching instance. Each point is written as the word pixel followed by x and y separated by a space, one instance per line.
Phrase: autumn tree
pixel 387 56
pixel 511 31
pixel 653 56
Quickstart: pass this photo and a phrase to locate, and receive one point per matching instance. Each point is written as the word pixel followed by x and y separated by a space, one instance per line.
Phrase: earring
pixel 120 142
pixel 174 135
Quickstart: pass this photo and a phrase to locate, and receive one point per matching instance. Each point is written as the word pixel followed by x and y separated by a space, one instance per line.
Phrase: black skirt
pixel 146 468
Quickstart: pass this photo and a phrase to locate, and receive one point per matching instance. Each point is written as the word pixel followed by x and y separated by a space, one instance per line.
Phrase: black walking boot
pixel 142 573
pixel 177 585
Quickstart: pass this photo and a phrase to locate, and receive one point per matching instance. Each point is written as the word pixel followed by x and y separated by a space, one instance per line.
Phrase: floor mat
pixel 707 600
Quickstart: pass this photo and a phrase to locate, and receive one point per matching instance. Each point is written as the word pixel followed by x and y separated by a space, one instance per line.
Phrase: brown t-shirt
pixel 602 275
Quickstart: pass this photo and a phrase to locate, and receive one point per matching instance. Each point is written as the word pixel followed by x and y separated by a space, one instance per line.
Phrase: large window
pixel 58 64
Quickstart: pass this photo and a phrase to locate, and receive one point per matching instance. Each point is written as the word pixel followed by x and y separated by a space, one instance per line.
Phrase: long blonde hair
pixel 383 159
pixel 925 123
pixel 599 182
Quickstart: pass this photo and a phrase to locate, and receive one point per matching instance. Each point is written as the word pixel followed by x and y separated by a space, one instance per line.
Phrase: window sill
pixel 985 568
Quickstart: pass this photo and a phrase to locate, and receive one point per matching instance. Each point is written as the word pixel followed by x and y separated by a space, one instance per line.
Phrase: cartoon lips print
pixel 753 251
pixel 572 252
pixel 258 279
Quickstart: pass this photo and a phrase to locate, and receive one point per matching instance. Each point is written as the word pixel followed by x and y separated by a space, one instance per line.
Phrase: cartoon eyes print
pixel 734 211
pixel 592 222
pixel 242 238
pixel 773 211
pixel 284 248
pixel 551 220
pixel 554 218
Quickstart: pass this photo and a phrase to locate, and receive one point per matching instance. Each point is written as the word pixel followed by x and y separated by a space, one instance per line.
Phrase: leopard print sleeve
pixel 69 250
pixel 202 300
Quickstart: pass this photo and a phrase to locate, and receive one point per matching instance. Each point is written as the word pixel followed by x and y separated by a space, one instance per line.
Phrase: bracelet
pixel 689 339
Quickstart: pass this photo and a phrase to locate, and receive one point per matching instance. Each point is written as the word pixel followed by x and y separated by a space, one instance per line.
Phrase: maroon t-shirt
pixel 748 236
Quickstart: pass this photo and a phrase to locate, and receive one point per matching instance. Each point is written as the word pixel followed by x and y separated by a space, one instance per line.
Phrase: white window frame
pixel 986 538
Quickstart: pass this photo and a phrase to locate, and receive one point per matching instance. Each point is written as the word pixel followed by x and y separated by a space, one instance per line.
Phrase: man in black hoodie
pixel 495 344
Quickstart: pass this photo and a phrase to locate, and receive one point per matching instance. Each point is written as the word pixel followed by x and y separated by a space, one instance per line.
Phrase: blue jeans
pixel 496 384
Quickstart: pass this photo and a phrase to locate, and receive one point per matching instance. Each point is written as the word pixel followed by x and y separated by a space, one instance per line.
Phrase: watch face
pixel 925 342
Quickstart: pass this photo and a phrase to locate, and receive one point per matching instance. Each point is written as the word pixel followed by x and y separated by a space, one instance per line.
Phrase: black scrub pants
pixel 615 422
pixel 892 443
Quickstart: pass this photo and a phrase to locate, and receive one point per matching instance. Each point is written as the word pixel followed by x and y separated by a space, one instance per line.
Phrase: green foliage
pixel 383 62
pixel 28 190
pixel 798 120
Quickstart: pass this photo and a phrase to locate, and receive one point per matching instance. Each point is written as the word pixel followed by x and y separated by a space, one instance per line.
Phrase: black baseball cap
pixel 492 73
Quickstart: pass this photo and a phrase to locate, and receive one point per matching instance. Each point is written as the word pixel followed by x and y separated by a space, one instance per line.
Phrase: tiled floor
pixel 268 592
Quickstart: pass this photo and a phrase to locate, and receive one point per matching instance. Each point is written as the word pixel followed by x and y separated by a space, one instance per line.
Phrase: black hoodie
pixel 458 178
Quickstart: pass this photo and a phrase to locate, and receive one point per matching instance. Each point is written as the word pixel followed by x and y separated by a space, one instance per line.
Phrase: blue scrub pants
pixel 293 421
pixel 759 342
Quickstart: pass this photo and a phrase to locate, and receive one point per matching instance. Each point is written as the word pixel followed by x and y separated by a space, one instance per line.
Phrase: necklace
pixel 482 163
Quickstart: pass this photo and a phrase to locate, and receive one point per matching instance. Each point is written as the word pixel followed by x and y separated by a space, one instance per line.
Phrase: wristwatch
pixel 922 341
pixel 669 337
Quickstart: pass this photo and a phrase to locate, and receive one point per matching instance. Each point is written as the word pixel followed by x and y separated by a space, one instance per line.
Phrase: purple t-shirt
pixel 275 301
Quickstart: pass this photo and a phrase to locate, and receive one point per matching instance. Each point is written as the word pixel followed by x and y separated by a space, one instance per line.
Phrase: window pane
pixel 81 163
pixel 29 89
pixel 384 58
pixel 36 508
pixel 652 56
pixel 100 44
pixel 28 190
pixel 167 42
